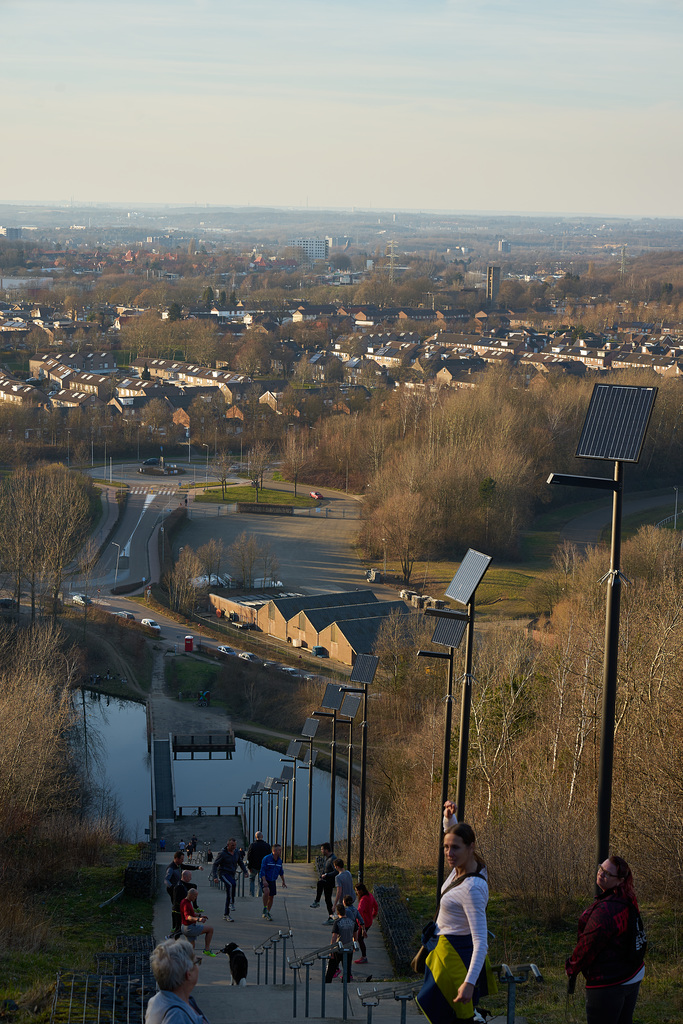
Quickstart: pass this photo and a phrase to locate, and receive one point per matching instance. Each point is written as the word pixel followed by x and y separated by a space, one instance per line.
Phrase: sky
pixel 485 105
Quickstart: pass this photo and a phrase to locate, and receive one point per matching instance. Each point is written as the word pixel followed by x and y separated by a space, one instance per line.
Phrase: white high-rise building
pixel 312 248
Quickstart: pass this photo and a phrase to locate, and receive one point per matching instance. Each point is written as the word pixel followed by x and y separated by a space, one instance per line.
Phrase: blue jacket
pixel 271 868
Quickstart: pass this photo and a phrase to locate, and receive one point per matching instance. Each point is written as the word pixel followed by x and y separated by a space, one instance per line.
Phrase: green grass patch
pixel 186 674
pixel 76 929
pixel 649 517
pixel 266 496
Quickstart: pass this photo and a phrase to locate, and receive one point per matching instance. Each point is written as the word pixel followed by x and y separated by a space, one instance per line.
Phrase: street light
pixel 613 431
pixel 118 555
pixel 363 672
pixel 308 732
pixel 293 751
pixel 68 449
pixel 206 476
pixel 676 508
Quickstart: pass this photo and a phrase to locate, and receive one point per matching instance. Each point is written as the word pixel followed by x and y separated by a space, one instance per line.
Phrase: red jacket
pixel 604 952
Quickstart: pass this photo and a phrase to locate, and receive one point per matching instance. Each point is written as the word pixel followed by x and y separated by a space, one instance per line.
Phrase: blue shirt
pixel 271 868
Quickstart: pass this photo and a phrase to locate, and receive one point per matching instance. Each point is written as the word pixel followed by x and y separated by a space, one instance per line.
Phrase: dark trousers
pixel 326 887
pixel 230 890
pixel 334 962
pixel 612 1005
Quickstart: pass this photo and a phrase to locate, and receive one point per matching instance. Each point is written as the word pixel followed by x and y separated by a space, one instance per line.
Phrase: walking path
pixel 268 1004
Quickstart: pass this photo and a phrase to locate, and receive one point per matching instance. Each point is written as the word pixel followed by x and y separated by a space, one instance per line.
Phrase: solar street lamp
pixel 451 626
pixel 308 732
pixel 613 431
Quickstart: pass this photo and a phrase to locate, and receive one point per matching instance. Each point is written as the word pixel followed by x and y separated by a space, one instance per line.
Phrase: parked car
pixel 250 657
pixel 81 599
pixel 151 624
pixel 7 602
pixel 317 495
pixel 230 651
pixel 151 462
pixel 125 615
pixel 289 671
pixel 319 652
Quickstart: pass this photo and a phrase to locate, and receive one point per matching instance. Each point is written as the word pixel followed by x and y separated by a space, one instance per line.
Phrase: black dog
pixel 239 965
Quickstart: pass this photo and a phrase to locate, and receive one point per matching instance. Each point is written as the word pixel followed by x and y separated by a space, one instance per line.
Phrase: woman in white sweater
pixel 456 975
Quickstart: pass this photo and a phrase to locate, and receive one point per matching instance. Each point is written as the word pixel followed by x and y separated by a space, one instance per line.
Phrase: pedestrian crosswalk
pixel 153 490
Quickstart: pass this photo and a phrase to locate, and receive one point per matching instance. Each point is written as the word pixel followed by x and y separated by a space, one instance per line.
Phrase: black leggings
pixel 612 1005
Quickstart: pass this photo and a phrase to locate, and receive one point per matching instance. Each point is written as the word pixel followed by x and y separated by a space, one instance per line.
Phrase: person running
pixel 255 854
pixel 271 870
pixel 194 924
pixel 225 867
pixel 368 910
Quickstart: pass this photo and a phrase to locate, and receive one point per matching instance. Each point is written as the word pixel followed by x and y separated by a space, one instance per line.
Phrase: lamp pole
pixel 293 762
pixel 68 449
pixel 118 555
pixel 333 767
pixel 676 508
pixel 206 475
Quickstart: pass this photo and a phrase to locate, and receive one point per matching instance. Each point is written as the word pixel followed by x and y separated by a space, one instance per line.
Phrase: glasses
pixel 197 960
pixel 607 874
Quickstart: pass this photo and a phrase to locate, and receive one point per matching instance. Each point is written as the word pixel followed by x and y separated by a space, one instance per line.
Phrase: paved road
pixel 586 529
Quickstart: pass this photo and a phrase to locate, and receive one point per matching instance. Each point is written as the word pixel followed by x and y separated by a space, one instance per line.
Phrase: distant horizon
pixel 388 105
pixel 131 206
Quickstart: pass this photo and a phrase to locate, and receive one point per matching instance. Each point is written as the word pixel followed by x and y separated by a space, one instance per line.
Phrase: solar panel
pixel 287 773
pixel 449 632
pixel 364 668
pixel 468 577
pixel 616 422
pixel 350 705
pixel 310 728
pixel 304 756
pixel 277 786
pixel 333 697
pixel 294 748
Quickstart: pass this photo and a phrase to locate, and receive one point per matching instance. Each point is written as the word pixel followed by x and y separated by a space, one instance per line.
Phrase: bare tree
pixel 296 455
pixel 243 555
pixel 259 456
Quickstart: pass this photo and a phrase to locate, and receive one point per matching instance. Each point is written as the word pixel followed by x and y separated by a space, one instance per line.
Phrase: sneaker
pixel 337 974
pixel 226 917
pixel 264 914
pixel 207 952
pixel 268 917
pixel 361 960
pixel 330 920
pixel 315 904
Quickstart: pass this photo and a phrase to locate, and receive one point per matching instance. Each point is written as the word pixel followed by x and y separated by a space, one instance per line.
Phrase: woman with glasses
pixel 176 969
pixel 610 951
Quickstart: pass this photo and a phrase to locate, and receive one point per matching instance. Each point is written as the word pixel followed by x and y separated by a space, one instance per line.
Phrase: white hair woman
pixel 176 969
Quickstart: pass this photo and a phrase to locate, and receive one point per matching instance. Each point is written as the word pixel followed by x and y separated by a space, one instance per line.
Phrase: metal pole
pixel 285 813
pixel 465 710
pixel 609 693
pixel 445 777
pixel 310 801
pixel 118 553
pixel 363 770
pixel 333 778
pixel 349 795
pixel 676 508
pixel 293 813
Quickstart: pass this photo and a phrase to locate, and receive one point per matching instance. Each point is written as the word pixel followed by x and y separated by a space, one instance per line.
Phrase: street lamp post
pixel 68 449
pixel 206 475
pixel 118 555
pixel 676 508
pixel 333 767
pixel 291 760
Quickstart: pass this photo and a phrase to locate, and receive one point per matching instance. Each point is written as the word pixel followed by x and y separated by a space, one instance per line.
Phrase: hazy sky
pixel 478 105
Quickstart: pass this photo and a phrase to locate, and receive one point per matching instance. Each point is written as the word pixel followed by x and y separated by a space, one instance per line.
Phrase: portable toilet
pixel 189 644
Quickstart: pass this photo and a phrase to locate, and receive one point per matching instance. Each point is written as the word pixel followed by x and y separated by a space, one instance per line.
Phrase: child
pixel 342 931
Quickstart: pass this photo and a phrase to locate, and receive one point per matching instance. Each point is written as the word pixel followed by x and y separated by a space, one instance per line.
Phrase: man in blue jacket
pixel 271 870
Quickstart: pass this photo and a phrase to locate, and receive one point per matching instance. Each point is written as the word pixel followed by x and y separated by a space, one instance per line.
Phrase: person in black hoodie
pixel 256 851
pixel 610 951
pixel 225 867
pixel 326 882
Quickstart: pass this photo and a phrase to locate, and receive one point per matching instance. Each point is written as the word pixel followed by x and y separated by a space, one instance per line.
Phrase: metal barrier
pixel 512 977
pixel 401 993
pixel 307 960
pixel 264 949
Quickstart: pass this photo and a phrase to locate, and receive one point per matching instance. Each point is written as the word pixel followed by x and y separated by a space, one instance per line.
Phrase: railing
pixel 512 977
pixel 401 993
pixel 264 949
pixel 210 810
pixel 307 960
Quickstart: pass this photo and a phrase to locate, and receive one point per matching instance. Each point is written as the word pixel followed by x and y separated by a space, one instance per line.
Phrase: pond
pixel 113 736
